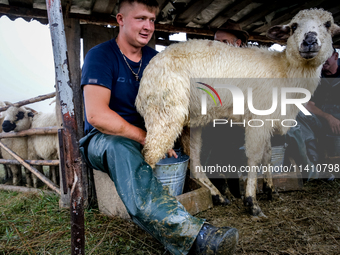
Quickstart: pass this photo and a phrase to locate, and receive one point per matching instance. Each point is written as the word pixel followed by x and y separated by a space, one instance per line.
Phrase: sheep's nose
pixel 7 126
pixel 310 41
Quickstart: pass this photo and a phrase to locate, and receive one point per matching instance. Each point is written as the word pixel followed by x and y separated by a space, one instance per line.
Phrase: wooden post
pixel 73 160
pixel 72 31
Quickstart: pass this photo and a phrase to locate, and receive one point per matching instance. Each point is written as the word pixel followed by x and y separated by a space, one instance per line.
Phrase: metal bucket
pixel 171 172
pixel 332 145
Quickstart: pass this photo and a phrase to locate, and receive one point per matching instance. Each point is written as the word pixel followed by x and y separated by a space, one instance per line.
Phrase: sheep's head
pixel 308 35
pixel 2 114
pixel 17 119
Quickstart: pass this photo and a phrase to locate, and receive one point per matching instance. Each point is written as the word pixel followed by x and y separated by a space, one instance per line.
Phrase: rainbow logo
pixel 209 93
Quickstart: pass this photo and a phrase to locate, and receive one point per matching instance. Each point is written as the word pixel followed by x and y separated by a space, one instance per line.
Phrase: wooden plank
pixel 229 12
pixel 32 131
pixel 29 101
pixel 21 3
pixel 260 13
pixel 283 19
pixel 197 200
pixel 194 8
pixel 65 92
pixel 73 36
pixel 282 182
pixel 104 6
pixel 24 189
pixel 31 162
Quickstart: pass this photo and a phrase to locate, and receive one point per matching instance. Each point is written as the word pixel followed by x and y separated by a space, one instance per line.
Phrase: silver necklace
pixel 135 74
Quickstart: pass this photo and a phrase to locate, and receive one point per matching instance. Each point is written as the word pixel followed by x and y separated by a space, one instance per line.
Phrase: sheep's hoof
pixel 253 207
pixel 268 190
pixel 219 200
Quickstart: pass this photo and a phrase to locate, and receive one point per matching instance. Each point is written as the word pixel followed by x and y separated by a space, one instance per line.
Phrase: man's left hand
pixel 334 125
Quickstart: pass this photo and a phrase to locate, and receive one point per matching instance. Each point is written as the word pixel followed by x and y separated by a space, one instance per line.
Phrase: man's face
pixel 331 63
pixel 226 37
pixel 137 23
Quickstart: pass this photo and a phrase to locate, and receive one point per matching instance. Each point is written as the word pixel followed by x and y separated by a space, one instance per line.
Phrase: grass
pixel 34 224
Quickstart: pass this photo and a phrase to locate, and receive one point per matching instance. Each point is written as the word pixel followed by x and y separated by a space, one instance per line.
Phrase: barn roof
pixel 197 17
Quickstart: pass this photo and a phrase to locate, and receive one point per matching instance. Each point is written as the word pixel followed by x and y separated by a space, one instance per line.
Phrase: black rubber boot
pixel 213 240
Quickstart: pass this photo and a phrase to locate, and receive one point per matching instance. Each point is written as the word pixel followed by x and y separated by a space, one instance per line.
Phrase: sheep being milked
pixel 166 97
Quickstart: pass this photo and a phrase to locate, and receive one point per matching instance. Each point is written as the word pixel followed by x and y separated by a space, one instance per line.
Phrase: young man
pixel 116 133
pixel 232 33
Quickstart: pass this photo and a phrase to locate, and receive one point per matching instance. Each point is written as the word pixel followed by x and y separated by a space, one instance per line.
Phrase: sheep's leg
pixel 29 181
pixel 8 172
pixel 17 174
pixel 35 178
pixel 255 141
pixel 268 186
pixel 195 153
pixel 53 174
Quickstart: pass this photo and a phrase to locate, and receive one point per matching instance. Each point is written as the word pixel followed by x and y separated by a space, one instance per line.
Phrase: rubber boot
pixel 214 240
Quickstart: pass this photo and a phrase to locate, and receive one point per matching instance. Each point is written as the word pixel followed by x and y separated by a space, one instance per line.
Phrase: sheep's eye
pixel 328 24
pixel 20 115
pixel 294 27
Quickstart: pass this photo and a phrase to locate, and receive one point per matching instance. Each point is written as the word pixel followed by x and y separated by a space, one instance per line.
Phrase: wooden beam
pixel 229 12
pixel 104 6
pixel 29 101
pixel 26 3
pixel 32 131
pixel 73 158
pixel 288 16
pixel 31 162
pixel 260 13
pixel 192 11
pixel 24 189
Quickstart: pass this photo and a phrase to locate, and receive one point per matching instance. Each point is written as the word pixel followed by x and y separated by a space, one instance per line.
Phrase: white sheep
pixel 16 119
pixel 8 173
pixel 44 146
pixel 37 146
pixel 165 90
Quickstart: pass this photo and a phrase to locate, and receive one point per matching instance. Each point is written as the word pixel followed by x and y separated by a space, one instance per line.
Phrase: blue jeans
pixel 149 205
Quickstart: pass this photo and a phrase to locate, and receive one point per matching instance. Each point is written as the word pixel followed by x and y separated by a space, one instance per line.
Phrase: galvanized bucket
pixel 171 172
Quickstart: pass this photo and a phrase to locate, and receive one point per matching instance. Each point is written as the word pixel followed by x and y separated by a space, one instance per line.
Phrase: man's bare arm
pixel 100 116
pixel 333 122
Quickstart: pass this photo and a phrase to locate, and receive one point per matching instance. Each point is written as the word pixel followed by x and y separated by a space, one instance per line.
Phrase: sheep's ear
pixel 30 114
pixel 7 103
pixel 279 33
pixel 335 30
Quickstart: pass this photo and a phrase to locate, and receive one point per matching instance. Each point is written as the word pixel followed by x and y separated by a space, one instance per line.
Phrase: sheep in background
pixel 44 146
pixel 165 90
pixel 8 173
pixel 37 146
pixel 16 119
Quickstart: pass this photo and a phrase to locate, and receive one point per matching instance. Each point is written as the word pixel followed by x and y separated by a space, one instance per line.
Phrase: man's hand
pixel 172 153
pixel 334 124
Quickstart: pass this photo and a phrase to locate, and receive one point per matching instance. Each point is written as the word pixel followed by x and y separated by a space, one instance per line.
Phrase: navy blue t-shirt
pixel 104 65
pixel 328 91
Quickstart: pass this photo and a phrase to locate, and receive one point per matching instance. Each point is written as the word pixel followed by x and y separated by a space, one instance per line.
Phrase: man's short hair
pixel 149 3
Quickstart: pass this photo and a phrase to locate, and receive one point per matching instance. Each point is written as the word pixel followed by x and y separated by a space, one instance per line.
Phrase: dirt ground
pixel 299 222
